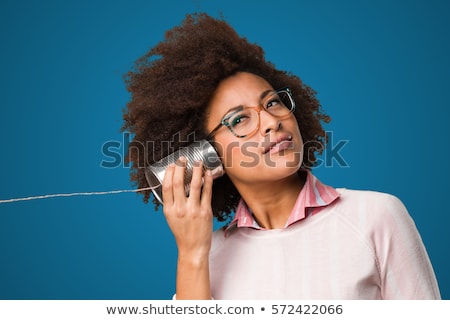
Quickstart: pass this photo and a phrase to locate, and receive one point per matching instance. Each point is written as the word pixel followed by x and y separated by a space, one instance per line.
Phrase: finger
pixel 179 191
pixel 167 187
pixel 196 182
pixel 207 189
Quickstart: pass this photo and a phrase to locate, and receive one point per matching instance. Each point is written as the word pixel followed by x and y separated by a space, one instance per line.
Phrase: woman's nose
pixel 268 122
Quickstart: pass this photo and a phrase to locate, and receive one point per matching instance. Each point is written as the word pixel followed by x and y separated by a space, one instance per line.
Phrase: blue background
pixel 381 71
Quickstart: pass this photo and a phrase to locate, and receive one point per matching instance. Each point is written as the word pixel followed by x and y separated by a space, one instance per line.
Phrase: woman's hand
pixel 189 217
pixel 191 220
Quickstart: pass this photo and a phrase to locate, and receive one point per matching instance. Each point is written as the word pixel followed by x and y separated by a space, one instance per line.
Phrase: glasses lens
pixel 243 122
pixel 286 98
pixel 279 103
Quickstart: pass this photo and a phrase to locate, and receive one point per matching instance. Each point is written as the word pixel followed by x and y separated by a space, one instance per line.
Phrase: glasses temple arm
pixel 210 136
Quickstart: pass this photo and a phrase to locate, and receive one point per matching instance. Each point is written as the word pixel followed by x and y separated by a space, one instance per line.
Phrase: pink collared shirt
pixel 337 244
pixel 314 195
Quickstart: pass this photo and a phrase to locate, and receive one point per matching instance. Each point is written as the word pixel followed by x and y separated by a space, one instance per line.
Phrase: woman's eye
pixel 237 120
pixel 273 103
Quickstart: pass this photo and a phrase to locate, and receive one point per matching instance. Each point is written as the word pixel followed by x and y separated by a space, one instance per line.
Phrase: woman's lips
pixel 282 143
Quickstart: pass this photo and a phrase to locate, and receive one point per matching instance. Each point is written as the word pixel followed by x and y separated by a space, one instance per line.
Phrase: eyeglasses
pixel 245 121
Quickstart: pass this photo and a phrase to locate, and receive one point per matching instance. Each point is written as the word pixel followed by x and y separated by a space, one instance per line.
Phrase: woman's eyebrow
pixel 261 97
pixel 265 93
pixel 232 110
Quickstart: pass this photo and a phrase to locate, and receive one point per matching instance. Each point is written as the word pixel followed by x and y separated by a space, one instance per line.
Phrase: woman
pixel 291 237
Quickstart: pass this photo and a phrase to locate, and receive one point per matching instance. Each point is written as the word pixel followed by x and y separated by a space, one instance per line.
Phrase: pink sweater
pixel 352 245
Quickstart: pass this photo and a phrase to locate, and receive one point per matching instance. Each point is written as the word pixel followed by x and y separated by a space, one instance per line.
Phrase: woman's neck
pixel 271 203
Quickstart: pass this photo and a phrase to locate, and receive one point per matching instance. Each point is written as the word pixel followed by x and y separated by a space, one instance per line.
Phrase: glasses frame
pixel 259 108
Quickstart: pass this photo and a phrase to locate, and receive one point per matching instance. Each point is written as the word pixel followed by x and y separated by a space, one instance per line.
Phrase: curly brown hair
pixel 172 84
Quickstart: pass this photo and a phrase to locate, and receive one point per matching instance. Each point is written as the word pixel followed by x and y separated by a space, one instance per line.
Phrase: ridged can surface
pixel 201 150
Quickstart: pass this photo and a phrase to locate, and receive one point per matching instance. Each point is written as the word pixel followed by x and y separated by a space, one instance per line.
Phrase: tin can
pixel 201 150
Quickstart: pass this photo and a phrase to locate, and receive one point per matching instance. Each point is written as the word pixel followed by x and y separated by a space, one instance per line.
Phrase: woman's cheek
pixel 248 154
pixel 238 154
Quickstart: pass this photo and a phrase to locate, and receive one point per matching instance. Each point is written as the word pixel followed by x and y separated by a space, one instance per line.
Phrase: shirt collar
pixel 314 194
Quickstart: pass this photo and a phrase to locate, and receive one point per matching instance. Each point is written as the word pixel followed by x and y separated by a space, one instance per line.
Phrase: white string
pixel 72 195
